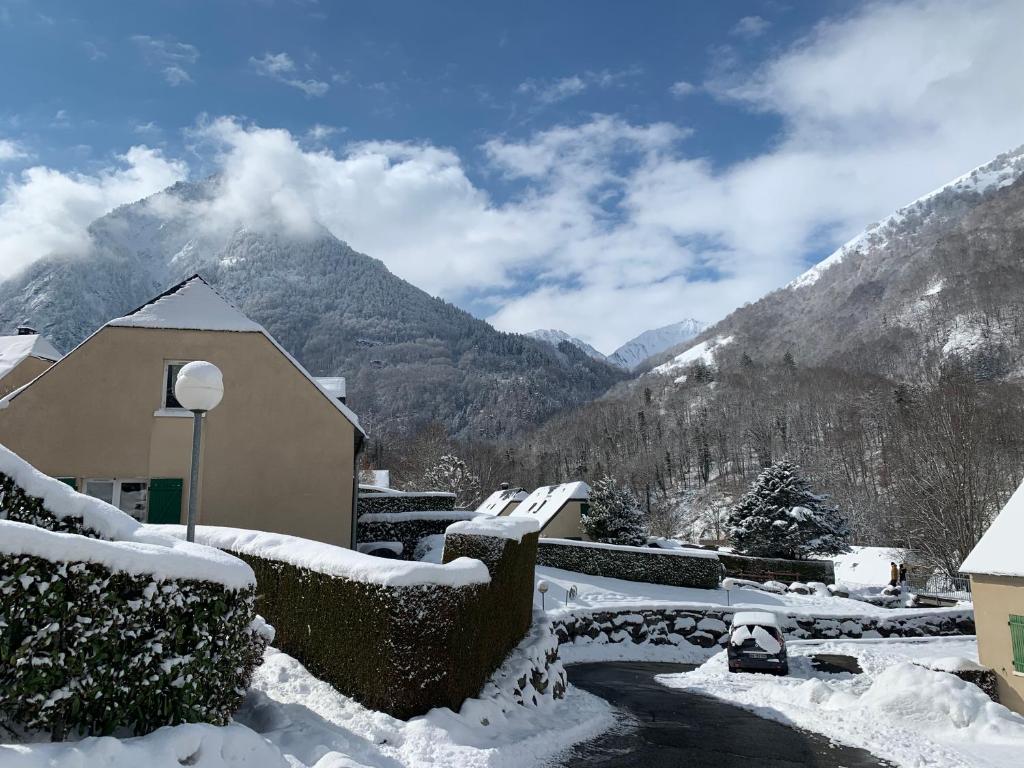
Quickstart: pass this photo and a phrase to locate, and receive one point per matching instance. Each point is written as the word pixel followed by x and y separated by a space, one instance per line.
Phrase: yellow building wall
pixel 277 455
pixel 22 374
pixel 508 510
pixel 995 598
pixel 566 524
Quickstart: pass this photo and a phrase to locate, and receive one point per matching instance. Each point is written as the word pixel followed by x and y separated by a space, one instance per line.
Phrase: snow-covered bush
pixel 695 568
pixel 613 515
pixel 781 517
pixel 453 475
pixel 97 634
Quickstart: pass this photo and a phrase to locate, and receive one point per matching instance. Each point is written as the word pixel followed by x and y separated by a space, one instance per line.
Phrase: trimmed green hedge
pixel 401 650
pixel 766 568
pixel 404 502
pixel 647 565
pixel 90 650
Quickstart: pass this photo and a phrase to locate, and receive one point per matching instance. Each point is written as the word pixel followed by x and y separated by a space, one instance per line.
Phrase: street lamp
pixel 199 388
pixel 542 587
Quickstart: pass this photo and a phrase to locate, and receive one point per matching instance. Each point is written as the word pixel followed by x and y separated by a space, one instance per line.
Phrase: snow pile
pixel 513 528
pixel 204 746
pixel 897 710
pixel 704 352
pixel 337 561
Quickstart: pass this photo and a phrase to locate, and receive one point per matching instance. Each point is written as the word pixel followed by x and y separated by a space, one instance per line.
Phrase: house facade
pixel 502 502
pixel 23 357
pixel 557 508
pixel 996 566
pixel 279 452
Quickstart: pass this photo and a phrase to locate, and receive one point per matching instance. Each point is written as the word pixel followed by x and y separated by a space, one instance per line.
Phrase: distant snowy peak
pixel 1001 172
pixel 554 337
pixel 653 342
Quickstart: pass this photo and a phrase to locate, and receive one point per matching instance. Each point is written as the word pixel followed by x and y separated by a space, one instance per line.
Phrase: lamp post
pixel 199 388
pixel 542 587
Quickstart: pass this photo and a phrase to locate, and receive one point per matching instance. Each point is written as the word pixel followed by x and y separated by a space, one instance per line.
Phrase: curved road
pixel 673 728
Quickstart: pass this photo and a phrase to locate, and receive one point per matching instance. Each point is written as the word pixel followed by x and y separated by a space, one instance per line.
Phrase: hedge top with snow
pixel 337 561
pixel 124 545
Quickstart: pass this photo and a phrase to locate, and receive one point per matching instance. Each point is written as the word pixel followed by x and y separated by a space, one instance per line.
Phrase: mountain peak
pixel 653 342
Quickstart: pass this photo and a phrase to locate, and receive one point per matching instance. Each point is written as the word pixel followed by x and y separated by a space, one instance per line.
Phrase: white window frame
pixel 115 495
pixel 164 409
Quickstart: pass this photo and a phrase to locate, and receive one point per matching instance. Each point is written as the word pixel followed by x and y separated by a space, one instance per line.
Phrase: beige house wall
pixel 22 374
pixel 277 455
pixel 566 523
pixel 509 509
pixel 995 598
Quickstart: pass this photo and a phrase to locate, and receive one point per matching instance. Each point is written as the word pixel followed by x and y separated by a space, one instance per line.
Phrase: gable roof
pixel 998 553
pixel 495 503
pixel 194 305
pixel 14 349
pixel 545 502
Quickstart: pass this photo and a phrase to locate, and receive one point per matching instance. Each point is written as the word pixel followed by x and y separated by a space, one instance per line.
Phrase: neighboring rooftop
pixel 545 502
pixel 14 349
pixel 998 553
pixel 335 385
pixel 497 502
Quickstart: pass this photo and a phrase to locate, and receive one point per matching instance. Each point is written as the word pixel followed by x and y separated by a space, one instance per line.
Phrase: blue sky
pixel 595 166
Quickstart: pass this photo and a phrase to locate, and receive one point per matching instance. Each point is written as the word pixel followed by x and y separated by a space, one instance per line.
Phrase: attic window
pixel 170 376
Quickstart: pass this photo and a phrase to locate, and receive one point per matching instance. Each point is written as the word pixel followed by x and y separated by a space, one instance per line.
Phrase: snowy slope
pixel 704 352
pixel 653 342
pixel 554 337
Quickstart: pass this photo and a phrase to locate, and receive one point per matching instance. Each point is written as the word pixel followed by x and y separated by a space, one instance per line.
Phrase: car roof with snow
pixel 758 618
pixel 545 502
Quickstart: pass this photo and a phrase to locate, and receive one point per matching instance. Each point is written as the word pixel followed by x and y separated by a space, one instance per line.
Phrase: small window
pixel 170 376
pixel 1017 641
pixel 130 496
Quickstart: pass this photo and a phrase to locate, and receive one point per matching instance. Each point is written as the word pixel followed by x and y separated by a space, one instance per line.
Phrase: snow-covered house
pixel 279 452
pixel 23 357
pixel 557 508
pixel 996 566
pixel 502 502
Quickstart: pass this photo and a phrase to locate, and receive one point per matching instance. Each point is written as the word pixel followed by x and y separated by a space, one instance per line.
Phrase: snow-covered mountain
pixel 554 337
pixel 653 342
pixel 941 276
pixel 409 358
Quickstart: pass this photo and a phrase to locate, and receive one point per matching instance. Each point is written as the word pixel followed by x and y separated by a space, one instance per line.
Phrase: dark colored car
pixel 756 644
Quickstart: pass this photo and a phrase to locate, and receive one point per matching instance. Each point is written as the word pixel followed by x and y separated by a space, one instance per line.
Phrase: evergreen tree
pixel 453 474
pixel 780 516
pixel 613 515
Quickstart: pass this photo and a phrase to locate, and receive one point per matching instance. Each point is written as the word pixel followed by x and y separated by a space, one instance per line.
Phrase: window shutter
pixel 1017 640
pixel 165 500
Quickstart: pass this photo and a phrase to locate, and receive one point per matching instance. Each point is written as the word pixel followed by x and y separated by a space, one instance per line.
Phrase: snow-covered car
pixel 756 644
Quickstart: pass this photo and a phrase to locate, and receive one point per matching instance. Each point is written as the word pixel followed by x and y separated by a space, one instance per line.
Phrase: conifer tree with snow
pixel 613 515
pixel 453 474
pixel 780 516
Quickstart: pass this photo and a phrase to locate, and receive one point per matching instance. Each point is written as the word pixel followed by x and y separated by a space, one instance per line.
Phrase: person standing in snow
pixel 903 575
pixel 894 575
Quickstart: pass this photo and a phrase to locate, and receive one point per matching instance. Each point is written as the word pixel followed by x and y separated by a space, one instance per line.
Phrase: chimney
pixel 503 487
pixel 26 330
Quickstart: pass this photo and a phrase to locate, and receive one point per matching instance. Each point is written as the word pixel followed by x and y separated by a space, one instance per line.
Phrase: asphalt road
pixel 669 728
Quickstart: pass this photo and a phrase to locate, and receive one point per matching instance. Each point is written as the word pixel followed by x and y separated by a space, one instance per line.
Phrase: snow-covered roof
pixel 498 527
pixel 192 305
pixel 759 618
pixel 497 502
pixel 998 553
pixel 545 502
pixel 333 384
pixel 14 349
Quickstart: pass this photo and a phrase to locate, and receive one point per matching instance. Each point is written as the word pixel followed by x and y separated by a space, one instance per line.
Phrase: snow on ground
pixel 866 565
pixel 290 719
pixel 598 592
pixel 704 351
pixel 896 709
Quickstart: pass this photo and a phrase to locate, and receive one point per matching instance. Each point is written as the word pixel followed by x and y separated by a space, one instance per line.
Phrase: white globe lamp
pixel 199 388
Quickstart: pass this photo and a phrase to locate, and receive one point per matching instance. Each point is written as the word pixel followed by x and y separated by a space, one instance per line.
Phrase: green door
pixel 165 500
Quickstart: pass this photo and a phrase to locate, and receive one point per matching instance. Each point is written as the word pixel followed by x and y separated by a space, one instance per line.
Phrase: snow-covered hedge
pixel 672 567
pixel 409 528
pixel 107 626
pixel 400 637
pixel 768 568
pixel 400 501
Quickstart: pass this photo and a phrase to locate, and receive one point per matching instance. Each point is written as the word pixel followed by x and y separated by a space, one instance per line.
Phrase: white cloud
pixel 169 56
pixel 750 27
pixel 11 150
pixel 554 91
pixel 281 67
pixel 45 211
pixel 682 88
